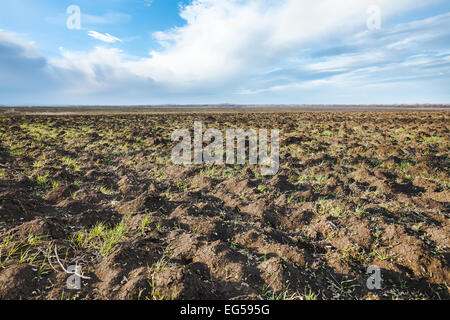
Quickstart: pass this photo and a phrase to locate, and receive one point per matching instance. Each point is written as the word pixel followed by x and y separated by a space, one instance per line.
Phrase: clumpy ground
pixel 354 190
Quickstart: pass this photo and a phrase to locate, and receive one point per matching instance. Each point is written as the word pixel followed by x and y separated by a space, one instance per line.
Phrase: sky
pixel 150 52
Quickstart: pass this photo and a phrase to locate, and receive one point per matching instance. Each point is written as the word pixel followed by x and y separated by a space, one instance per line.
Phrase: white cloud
pixel 11 40
pixel 229 39
pixel 105 37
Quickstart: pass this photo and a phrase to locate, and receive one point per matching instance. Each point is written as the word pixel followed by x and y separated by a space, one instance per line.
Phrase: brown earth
pixel 355 189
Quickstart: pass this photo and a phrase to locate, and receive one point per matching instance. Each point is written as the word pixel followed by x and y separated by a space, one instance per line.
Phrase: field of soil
pixel 354 190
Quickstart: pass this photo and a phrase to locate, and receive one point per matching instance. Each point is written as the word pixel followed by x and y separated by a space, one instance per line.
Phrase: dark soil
pixel 354 190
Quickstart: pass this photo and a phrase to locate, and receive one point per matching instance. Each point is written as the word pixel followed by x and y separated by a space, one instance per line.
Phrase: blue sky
pixel 225 51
